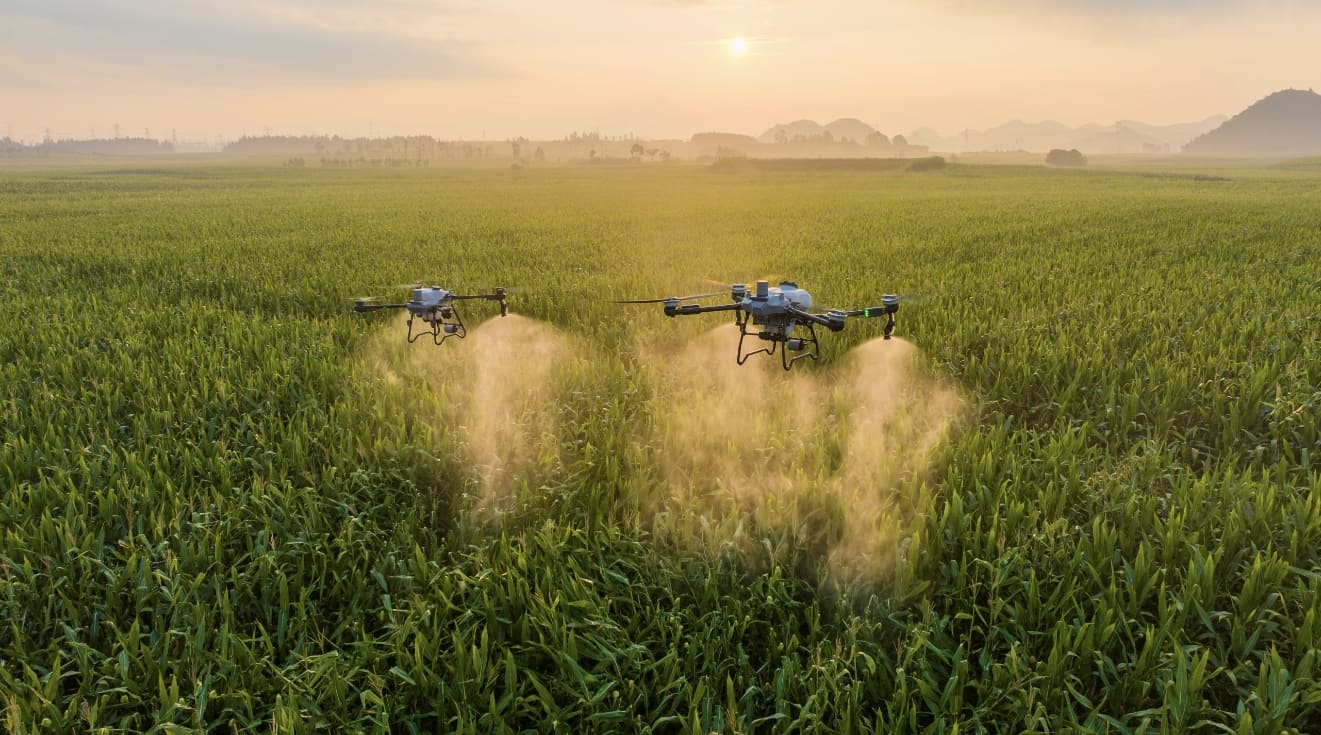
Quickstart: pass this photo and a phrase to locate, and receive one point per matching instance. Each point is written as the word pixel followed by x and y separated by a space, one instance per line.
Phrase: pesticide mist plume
pixel 489 397
pixel 830 461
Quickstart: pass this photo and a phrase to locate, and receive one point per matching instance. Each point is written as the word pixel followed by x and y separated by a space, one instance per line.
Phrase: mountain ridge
pixel 1123 137
pixel 1283 123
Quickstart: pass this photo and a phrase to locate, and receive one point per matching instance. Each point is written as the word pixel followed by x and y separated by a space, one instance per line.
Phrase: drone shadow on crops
pixel 822 469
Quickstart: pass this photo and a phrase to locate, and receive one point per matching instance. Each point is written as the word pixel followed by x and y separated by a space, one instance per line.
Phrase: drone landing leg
pixel 460 331
pixel 438 326
pixel 439 330
pixel 811 352
pixel 741 319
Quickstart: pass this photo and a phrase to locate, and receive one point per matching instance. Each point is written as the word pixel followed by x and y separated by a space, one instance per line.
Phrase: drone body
pixel 779 315
pixel 435 307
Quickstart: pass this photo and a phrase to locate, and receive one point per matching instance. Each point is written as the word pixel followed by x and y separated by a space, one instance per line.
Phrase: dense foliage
pixel 1070 157
pixel 214 516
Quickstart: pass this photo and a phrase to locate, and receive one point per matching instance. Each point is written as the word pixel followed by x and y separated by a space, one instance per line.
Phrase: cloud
pixel 1109 6
pixel 1121 21
pixel 1111 10
pixel 202 40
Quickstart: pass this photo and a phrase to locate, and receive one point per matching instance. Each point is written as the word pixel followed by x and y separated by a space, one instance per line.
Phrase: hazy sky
pixel 655 68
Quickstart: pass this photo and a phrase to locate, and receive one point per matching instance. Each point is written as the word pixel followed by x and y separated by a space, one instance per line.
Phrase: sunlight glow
pixel 738 46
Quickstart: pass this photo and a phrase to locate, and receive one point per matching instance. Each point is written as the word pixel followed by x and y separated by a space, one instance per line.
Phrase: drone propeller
pixel 911 299
pixel 907 299
pixel 673 298
pixel 367 304
pixel 866 312
pixel 419 284
pixel 773 279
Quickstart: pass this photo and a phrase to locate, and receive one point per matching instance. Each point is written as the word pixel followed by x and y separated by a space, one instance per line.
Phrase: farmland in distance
pixel 1079 492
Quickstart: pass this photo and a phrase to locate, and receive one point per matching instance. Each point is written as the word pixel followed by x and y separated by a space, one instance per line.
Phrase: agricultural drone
pixel 435 307
pixel 778 311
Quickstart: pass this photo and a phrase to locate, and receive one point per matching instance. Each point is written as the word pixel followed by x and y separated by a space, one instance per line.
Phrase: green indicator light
pixel 866 313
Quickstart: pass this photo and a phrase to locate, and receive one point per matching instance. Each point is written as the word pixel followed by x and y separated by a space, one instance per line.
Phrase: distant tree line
pixel 746 165
pixel 424 150
pixel 369 162
pixel 335 150
pixel 594 137
pixel 95 146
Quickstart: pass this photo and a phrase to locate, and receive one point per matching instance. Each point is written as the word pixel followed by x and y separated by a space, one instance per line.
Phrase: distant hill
pixel 721 139
pixel 850 128
pixel 1019 135
pixel 1121 139
pixel 1177 135
pixel 789 131
pixel 1125 137
pixel 1286 123
pixel 845 128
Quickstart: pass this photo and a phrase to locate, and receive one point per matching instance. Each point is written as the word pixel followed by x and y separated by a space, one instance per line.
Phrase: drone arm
pixel 686 309
pixel 834 321
pixel 366 308
pixel 889 307
pixel 499 295
pixel 871 311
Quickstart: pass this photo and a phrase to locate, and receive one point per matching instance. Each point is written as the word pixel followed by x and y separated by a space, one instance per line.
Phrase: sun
pixel 738 46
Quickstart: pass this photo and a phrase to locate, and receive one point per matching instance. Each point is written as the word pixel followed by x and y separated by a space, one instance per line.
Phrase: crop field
pixel 1080 491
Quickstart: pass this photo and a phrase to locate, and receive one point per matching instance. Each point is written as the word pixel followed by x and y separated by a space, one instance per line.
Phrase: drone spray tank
pixel 432 305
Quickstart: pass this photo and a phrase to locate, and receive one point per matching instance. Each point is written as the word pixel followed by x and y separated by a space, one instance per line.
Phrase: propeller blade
pixel 904 300
pixel 773 278
pixel 673 298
